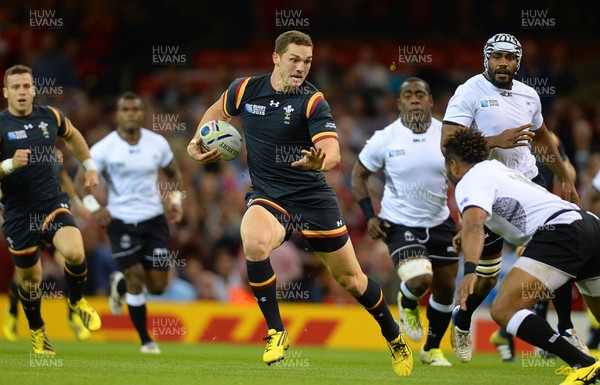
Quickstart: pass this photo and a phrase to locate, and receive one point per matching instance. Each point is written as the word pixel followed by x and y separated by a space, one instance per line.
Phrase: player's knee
pixel 135 279
pixel 419 284
pixel 501 312
pixel 256 249
pixel 74 255
pixel 156 287
pixel 350 283
pixel 31 285
pixel 417 273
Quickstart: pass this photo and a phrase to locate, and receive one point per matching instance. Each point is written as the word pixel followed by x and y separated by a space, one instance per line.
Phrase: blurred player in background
pixel 509 115
pixel 9 324
pixel 283 114
pixel 34 208
pixel 591 201
pixel 562 244
pixel 130 158
pixel 415 220
pixel 591 198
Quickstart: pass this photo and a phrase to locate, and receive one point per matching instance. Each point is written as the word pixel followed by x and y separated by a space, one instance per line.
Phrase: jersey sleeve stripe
pixel 325 233
pixel 239 92
pixel 68 130
pixel 313 102
pixel 324 135
pixel 57 114
pixel 224 106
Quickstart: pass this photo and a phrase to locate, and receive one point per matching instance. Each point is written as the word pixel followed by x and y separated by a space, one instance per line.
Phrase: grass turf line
pixel 122 364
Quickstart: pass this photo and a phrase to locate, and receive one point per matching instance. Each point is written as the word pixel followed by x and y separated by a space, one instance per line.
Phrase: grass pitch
pixel 122 364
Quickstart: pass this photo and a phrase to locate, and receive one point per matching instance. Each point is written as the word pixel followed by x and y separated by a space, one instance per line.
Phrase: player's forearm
pixel 548 153
pixel 66 184
pixel 472 236
pixel 331 161
pixel 360 187
pixel 214 112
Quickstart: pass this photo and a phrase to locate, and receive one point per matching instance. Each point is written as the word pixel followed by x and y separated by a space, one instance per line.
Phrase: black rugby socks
pixel 372 300
pixel 263 281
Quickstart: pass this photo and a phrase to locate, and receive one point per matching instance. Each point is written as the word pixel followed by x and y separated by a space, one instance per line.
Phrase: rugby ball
pixel 223 136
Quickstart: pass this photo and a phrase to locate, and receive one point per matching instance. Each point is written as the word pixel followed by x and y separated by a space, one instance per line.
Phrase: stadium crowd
pixel 86 64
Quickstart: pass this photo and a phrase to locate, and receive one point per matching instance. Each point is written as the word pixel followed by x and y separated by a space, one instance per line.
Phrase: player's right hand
pixel 21 158
pixel 102 217
pixel 456 242
pixel 374 227
pixel 196 152
pixel 514 137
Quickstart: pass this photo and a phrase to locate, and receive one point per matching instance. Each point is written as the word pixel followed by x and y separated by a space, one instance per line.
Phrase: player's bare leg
pixel 261 233
pixel 345 269
pixel 510 309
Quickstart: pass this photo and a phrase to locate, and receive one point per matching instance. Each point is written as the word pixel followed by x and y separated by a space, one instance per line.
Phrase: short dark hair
pixel 467 145
pixel 415 79
pixel 129 96
pixel 291 37
pixel 17 70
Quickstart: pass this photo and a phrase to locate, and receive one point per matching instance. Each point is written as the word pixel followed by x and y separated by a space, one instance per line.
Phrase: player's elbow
pixel 333 160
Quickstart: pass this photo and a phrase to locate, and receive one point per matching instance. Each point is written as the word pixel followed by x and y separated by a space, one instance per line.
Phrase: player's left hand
pixel 91 180
pixel 570 192
pixel 466 288
pixel 174 212
pixel 313 159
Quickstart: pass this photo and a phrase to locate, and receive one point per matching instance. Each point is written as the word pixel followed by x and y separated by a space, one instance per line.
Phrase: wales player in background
pixel 9 324
pixel 34 208
pixel 281 114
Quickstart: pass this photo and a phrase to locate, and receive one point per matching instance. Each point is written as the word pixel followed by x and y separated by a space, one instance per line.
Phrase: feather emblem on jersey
pixel 511 210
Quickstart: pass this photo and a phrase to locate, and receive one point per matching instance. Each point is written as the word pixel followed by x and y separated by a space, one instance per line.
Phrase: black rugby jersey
pixel 277 126
pixel 39 180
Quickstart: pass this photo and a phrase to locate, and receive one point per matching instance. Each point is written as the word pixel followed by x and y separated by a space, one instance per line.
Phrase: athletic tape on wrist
pixel 89 164
pixel 176 198
pixel 91 204
pixel 8 166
